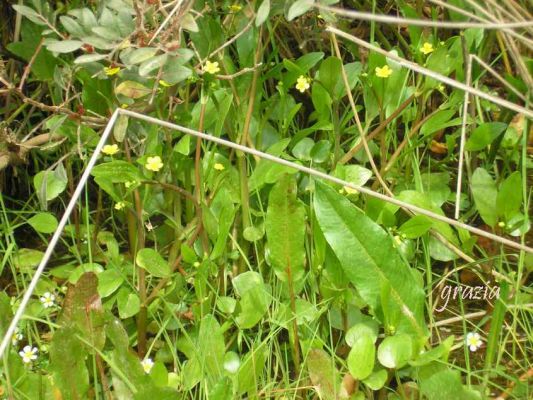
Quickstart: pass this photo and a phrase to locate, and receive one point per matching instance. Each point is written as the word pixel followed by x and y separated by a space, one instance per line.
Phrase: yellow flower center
pixel 303 83
pixel 427 48
pixel 110 71
pixel 383 72
pixel 154 163
pixel 110 149
pixel 219 167
pixel 211 67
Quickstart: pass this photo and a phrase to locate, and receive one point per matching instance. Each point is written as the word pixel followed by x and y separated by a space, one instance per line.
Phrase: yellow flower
pixel 120 205
pixel 110 71
pixel 124 105
pixel 427 48
pixel 110 149
pixel 154 163
pixel 219 167
pixel 235 8
pixel 383 72
pixel 211 67
pixel 303 83
pixel 164 83
pixel 349 190
pixel 441 87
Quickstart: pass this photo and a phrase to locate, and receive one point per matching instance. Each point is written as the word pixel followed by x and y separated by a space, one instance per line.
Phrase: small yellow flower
pixel 441 87
pixel 124 105
pixel 303 83
pixel 383 72
pixel 219 167
pixel 427 48
pixel 164 83
pixel 235 8
pixel 154 163
pixel 110 71
pixel 501 224
pixel 211 67
pixel 473 341
pixel 349 190
pixel 120 205
pixel 110 149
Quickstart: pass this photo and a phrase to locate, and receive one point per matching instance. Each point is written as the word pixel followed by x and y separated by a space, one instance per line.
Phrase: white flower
pixel 48 299
pixel 473 341
pixel 17 336
pixel 28 354
pixel 147 365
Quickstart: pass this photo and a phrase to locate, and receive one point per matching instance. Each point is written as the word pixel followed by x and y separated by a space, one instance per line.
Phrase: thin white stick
pixel 389 19
pixel 165 22
pixel 327 177
pixel 435 75
pixel 57 234
pixel 499 77
pixel 468 81
pixel 528 42
pixel 64 219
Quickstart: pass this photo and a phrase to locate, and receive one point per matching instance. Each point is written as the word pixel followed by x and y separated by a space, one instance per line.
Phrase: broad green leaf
pixel 67 364
pixel 440 120
pixel 254 298
pixel 377 379
pixel 50 184
pixel 324 375
pixel 132 89
pixel 440 352
pixel 416 226
pixel 251 366
pixel 330 73
pixel 151 261
pixel 120 128
pixel 152 64
pixel 82 308
pixel 510 197
pixel 321 151
pixel 484 135
pixel 485 195
pixel 25 259
pixel 232 362
pixel 369 259
pixel 109 281
pixel 64 46
pixel 88 58
pixel 140 55
pixel 43 222
pixel 298 8
pixel 117 172
pixel 439 382
pixel 362 357
pixel 30 13
pixel 285 230
pixel 302 150
pixel 128 303
pixel 365 328
pixel 395 351
pixel 262 12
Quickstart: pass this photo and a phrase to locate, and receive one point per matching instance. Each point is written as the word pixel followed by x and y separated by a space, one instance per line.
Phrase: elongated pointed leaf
pixel 285 229
pixel 369 259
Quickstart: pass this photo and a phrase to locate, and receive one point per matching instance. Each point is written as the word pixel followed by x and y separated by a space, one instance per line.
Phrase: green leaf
pixel 64 46
pixel 132 89
pixel 369 259
pixel 50 184
pixel 302 150
pixel 484 135
pixel 30 13
pixel 128 303
pixel 395 351
pixel 89 58
pixel 43 222
pixel 416 226
pixel 362 357
pixel 298 8
pixel 140 55
pixel 440 120
pixel 485 195
pixel 324 375
pixel 509 198
pixel 254 298
pixel 109 281
pixel 330 73
pixel 25 259
pixel 120 128
pixel 67 364
pixel 365 328
pixel 439 382
pixel 117 172
pixel 262 13
pixel 151 261
pixel 285 230
pixel 377 379
pixel 152 64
